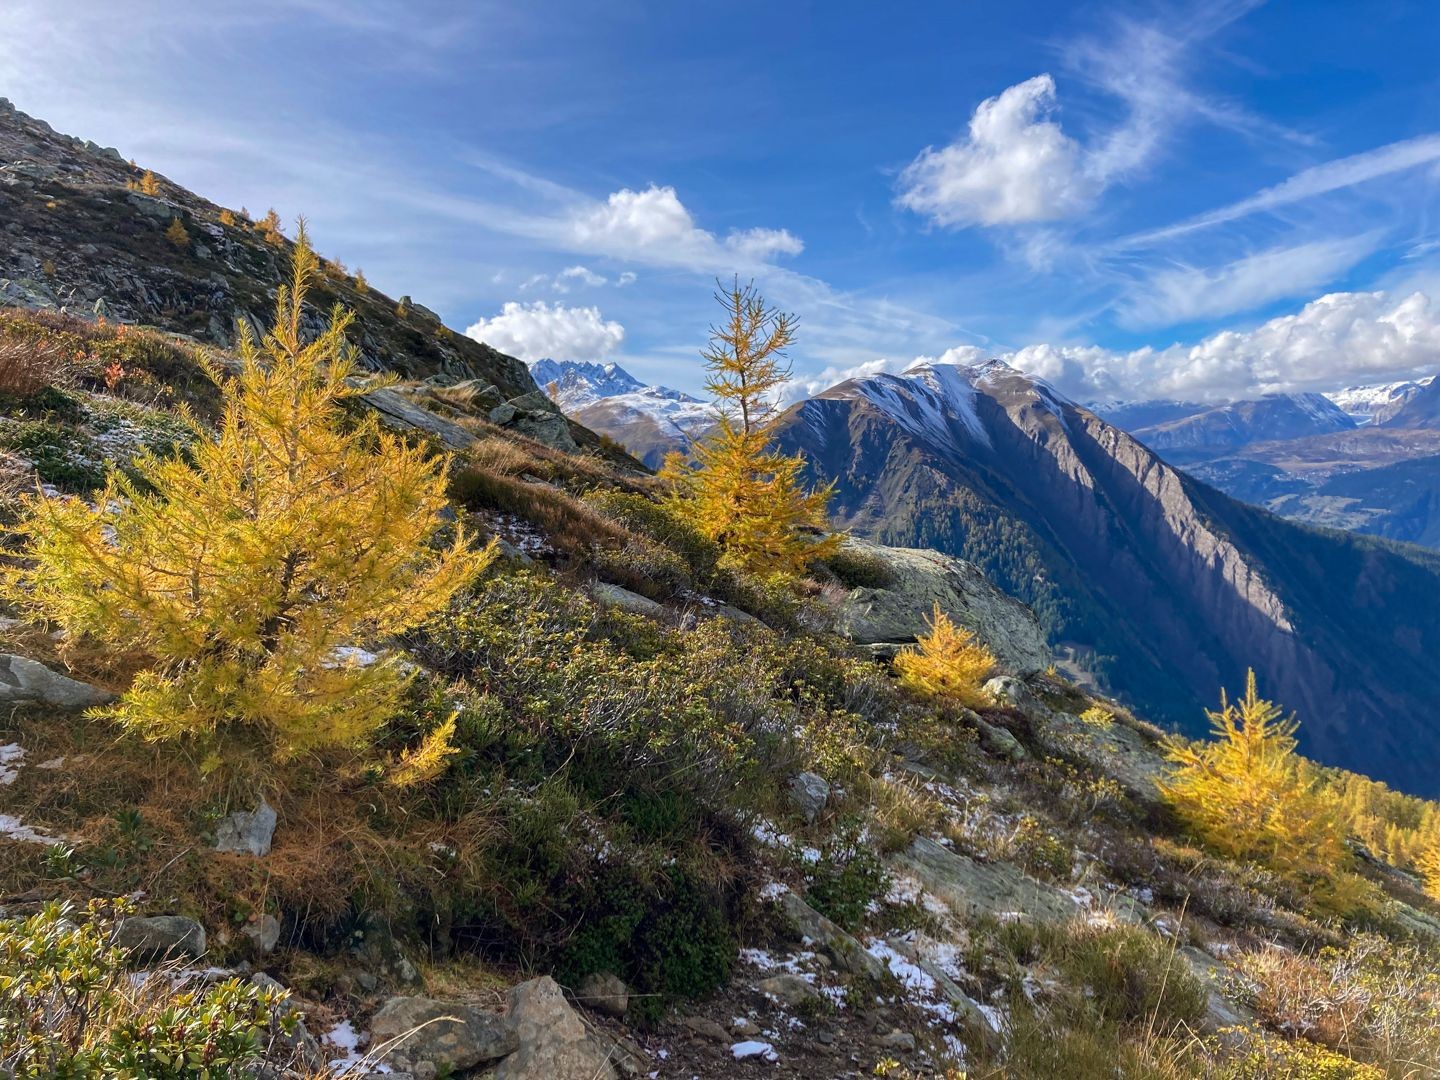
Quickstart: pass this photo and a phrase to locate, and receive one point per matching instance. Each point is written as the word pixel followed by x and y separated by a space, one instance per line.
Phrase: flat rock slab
pixel 25 681
pixel 397 410
pixel 976 888
pixel 160 937
pixel 846 952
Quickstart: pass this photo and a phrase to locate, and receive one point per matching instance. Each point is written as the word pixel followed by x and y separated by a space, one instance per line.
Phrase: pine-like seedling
pixel 947 663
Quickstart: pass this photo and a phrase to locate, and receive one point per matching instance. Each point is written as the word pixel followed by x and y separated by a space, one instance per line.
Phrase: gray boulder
pixel 546 427
pixel 247 832
pixel 264 934
pixel 788 989
pixel 843 950
pixel 1008 690
pixel 889 617
pixel 617 597
pixel 160 937
pixel 24 681
pixel 445 1034
pixel 554 1044
pixel 808 794
pixel 976 888
pixel 605 993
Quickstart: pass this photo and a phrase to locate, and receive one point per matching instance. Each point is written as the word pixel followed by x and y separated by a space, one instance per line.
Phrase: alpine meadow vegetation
pixel 738 490
pixel 245 573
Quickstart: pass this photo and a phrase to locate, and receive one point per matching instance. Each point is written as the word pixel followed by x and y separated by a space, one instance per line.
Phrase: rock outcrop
pixel 892 615
pixel 553 1041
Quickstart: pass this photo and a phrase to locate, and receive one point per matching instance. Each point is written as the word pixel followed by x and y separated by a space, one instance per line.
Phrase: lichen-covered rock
pixel 160 937
pixel 446 1034
pixel 553 1041
pixel 808 794
pixel 24 681
pixel 398 411
pixel 843 950
pixel 976 888
pixel 617 597
pixel 889 617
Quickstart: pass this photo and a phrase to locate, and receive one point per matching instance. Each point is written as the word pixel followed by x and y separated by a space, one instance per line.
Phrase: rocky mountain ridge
pixel 1123 555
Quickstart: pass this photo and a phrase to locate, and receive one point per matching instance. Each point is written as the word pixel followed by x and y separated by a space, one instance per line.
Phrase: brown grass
pixel 30 366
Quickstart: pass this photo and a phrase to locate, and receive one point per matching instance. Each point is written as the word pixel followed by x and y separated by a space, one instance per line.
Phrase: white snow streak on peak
pixel 928 401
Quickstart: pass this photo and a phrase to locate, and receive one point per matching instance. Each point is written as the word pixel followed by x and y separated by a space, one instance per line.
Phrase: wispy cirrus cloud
pixel 1309 183
pixel 1182 293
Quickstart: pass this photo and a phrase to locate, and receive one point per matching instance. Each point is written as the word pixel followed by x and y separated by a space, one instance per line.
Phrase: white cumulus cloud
pixel 1338 339
pixel 1014 165
pixel 655 226
pixel 538 330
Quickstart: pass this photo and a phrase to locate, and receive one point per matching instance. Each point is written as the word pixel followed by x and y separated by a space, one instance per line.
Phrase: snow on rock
pixel 754 1048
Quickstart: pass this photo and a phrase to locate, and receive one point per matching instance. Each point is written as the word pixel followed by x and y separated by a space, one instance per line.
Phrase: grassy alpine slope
pixel 744 846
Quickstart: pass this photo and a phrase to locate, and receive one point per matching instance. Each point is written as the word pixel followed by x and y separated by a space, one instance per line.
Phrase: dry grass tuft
pixel 29 366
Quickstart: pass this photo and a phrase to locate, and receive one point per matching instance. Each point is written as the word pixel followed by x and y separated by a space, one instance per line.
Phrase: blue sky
pixel 1200 200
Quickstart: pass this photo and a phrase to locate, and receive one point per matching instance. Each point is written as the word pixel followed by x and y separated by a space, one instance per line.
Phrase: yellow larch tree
pixel 249 574
pixel 1247 794
pixel 738 490
pixel 947 662
pixel 177 234
pixel 149 184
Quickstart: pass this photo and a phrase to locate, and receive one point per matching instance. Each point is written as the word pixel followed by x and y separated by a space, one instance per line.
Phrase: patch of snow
pixel 344 1040
pixel 773 891
pixel 351 656
pixel 754 1048
pixel 13 829
pixel 767 833
pixel 12 756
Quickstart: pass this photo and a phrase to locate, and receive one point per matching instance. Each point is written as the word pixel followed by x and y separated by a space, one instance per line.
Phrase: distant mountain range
pixel 1376 404
pixel 1366 458
pixel 649 421
pixel 1161 586
pixel 1223 428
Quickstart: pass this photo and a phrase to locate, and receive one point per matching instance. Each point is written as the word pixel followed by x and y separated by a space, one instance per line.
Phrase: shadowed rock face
pixel 896 613
pixel 1167 588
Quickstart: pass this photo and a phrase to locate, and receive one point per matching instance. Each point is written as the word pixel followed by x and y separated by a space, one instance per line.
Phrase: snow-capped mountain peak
pixel 649 421
pixel 1375 404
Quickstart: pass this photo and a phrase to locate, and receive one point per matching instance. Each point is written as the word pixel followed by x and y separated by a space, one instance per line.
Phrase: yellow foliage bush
pixel 177 234
pixel 739 492
pixel 242 572
pixel 1245 794
pixel 947 663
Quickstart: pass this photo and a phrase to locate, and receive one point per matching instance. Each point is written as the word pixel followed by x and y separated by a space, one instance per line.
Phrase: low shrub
pixel 69 1008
